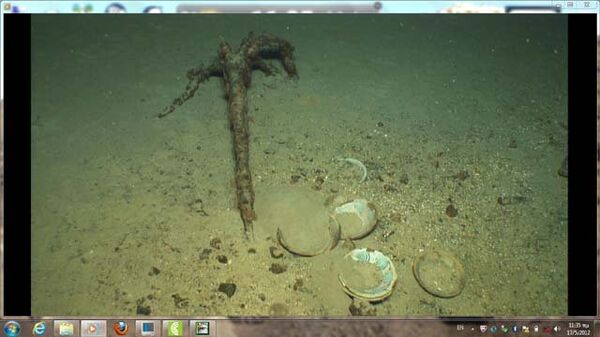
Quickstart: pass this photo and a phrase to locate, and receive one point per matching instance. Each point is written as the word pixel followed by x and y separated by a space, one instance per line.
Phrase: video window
pixel 299 165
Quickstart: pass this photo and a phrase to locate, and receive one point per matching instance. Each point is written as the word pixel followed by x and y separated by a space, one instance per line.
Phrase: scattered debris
pixel 277 268
pixel 180 302
pixel 227 288
pixel 171 247
pixel 390 188
pixel 319 180
pixel 563 171
pixel 142 309
pixel 387 233
pixel 360 165
pixel 462 175
pixel 451 211
pixel 197 206
pixel 511 200
pixel 362 308
pixel 215 243
pixel 298 284
pixel 276 252
pixel 204 254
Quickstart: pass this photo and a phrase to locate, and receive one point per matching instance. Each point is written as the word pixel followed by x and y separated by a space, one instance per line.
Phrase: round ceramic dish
pixel 440 273
pixel 334 233
pixel 357 218
pixel 386 280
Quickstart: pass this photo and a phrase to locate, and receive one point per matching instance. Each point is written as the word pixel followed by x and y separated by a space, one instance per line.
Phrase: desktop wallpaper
pixel 452 129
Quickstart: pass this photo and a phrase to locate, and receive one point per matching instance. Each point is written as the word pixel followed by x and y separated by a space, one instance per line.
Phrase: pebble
pixel 204 254
pixel 362 308
pixel 215 243
pixel 227 288
pixel 451 211
pixel 563 171
pixel 276 253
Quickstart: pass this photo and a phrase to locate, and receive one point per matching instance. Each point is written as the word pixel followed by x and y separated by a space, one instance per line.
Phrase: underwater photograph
pixel 299 165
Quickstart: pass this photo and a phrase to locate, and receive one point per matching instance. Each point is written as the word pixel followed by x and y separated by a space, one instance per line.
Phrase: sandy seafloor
pixel 459 110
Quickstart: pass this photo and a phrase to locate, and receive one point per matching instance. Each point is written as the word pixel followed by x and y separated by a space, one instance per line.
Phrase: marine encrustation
pixel 235 68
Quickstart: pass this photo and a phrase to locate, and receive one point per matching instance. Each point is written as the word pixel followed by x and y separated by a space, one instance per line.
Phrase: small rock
pixel 227 288
pixel 298 284
pixel 198 206
pixel 451 211
pixel 204 254
pixel 262 297
pixel 251 250
pixel 142 309
pixel 223 259
pixel 154 271
pixel 380 124
pixel 504 200
pixel 276 253
pixel 215 243
pixel 362 308
pixel 319 180
pixel 180 302
pixel 277 268
pixel 563 171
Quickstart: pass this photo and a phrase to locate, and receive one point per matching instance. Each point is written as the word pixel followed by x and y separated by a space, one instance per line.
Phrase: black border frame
pixel 17 165
pixel 583 201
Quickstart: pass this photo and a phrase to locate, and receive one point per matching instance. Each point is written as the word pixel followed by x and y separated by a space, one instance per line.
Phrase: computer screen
pixel 299 168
